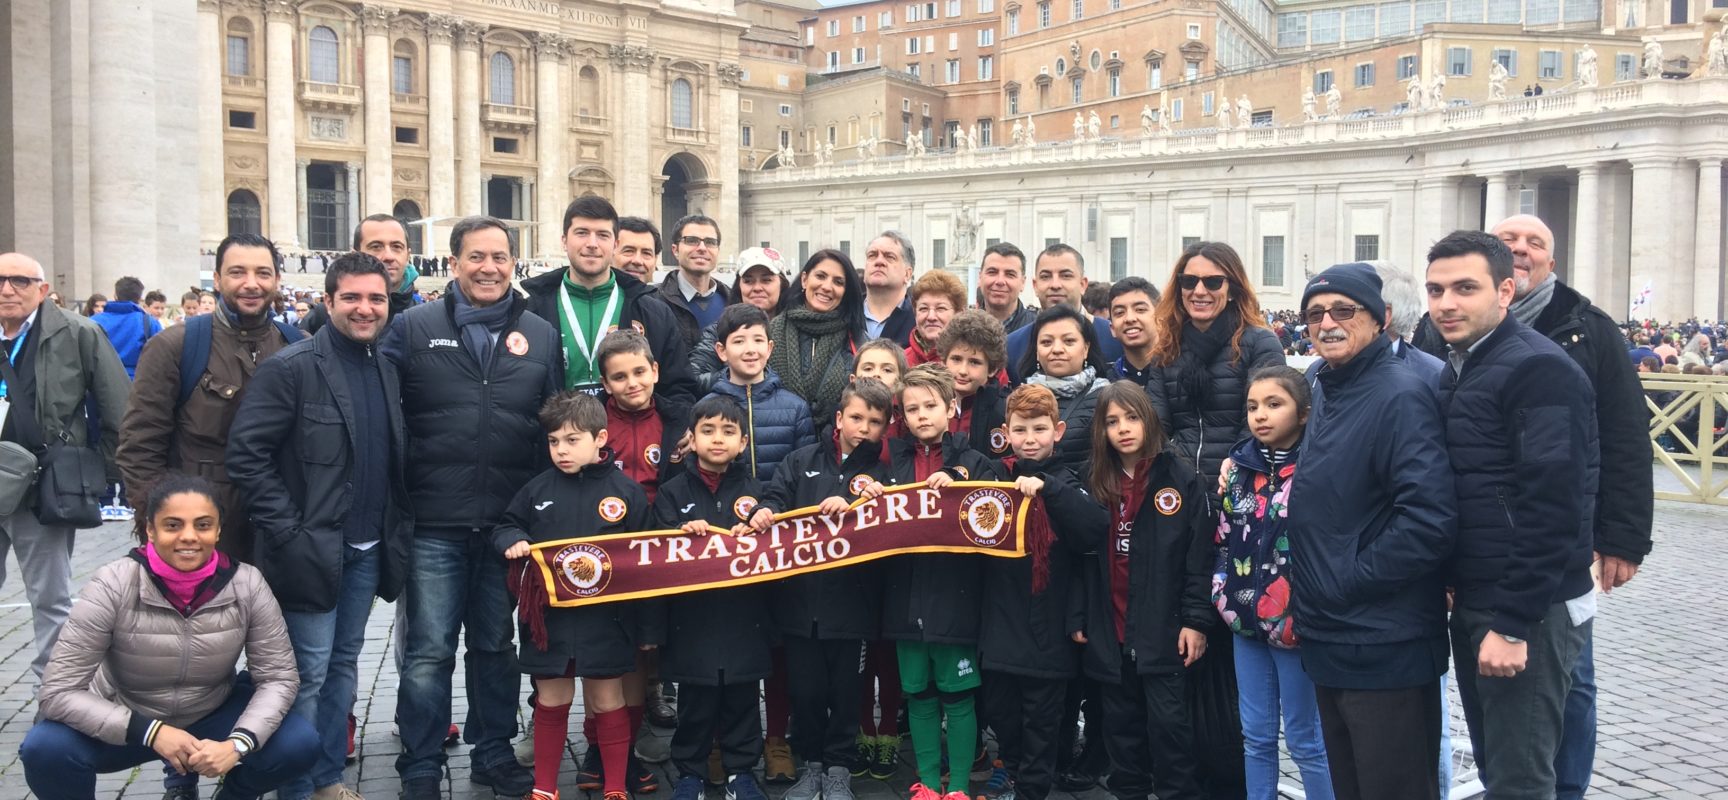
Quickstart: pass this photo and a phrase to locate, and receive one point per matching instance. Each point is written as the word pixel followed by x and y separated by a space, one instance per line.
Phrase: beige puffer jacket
pixel 125 651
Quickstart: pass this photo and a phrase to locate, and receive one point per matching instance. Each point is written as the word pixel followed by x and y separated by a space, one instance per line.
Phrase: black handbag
pixel 70 480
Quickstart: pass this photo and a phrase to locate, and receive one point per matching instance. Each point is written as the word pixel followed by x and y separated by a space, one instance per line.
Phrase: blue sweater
pixel 128 327
pixel 777 421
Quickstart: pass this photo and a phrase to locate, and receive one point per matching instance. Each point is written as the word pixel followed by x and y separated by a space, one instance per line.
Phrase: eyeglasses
pixel 1339 313
pixel 20 282
pixel 1191 282
pixel 692 241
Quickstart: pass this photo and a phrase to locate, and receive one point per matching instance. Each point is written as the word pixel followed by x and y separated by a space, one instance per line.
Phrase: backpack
pixel 196 355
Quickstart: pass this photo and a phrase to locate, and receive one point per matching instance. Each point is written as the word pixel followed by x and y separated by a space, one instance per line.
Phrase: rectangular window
pixel 952 70
pixel 1505 12
pixel 914 45
pixel 1115 80
pixel 1364 75
pixel 1176 110
pixel 1078 11
pixel 953 8
pixel 744 137
pixel 243 120
pixel 986 68
pixel 1193 30
pixel 1293 29
pixel 1406 67
pixel 1050 240
pixel 915 70
pixel 1189 241
pixel 885 20
pixel 1076 90
pixel 833 59
pixel 1014 22
pixel 1155 75
pixel 1272 260
pixel 857 55
pixel 1261 119
pixel 1118 258
pixel 1322 81
pixel 803 252
pixel 785 110
pixel 1548 65
pixel 1541 12
pixel 930 44
pixel 407 135
pixel 986 6
pixel 1509 60
pixel 239 56
pixel 785 138
pixel 1624 67
pixel 1429 11
pixel 1359 24
pixel 1115 5
pixel 504 144
pixel 914 13
pixel 1395 19
pixel 939 251
pixel 833 27
pixel 1013 103
pixel 1323 27
pixel 986 37
pixel 985 131
pixel 1457 61
pixel 1367 247
pixel 1044 14
pixel 953 41
pixel 929 10
pixel 1207 105
pixel 1191 71
pixel 810 35
pixel 859 25
pixel 1466 11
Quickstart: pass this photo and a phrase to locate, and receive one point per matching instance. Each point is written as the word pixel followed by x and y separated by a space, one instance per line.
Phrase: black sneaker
pixel 509 779
pixel 1076 781
pixel 423 789
pixel 592 775
pixel 642 779
pixel 183 792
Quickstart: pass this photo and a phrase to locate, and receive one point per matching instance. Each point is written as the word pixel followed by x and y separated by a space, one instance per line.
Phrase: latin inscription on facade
pixel 581 16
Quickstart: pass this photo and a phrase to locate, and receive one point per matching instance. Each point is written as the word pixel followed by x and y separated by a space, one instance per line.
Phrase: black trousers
pixel 730 713
pixel 1150 736
pixel 824 681
pixel 1026 714
pixel 1382 744
pixel 1083 700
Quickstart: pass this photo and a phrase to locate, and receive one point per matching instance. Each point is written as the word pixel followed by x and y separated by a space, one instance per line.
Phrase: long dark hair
pixel 851 306
pixel 1170 316
pixel 1094 355
pixel 1107 464
pixel 172 484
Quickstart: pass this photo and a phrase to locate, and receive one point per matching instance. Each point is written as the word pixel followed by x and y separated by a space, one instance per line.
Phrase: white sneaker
pixel 837 784
pixel 809 785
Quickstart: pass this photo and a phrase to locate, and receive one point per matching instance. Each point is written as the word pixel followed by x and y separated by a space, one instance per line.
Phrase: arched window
pixel 402 68
pixel 503 86
pixel 325 56
pixel 682 104
pixel 243 216
pixel 409 211
pixel 588 93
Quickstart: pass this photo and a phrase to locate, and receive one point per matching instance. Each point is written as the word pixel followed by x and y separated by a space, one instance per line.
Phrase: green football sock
pixel 962 742
pixel 924 718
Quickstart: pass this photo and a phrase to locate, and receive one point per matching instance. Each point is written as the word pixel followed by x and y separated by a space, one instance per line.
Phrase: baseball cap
pixel 763 257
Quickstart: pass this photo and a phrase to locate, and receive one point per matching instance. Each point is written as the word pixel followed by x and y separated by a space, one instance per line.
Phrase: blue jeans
pixel 327 652
pixel 1578 730
pixel 1270 680
pixel 62 764
pixel 454 585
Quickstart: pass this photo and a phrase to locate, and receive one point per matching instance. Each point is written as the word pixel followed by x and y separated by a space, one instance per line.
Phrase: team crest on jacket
pixel 745 506
pixel 1167 501
pixel 984 516
pixel 651 454
pixel 999 440
pixel 583 569
pixel 965 474
pixel 516 343
pixel 858 484
pixel 612 509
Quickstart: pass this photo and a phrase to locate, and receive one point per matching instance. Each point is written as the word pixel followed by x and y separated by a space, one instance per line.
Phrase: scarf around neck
pixel 1084 382
pixel 1534 303
pixel 1193 367
pixel 480 324
pixel 807 355
pixel 182 587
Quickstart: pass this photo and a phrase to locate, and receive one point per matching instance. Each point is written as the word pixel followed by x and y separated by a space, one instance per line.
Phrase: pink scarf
pixel 181 585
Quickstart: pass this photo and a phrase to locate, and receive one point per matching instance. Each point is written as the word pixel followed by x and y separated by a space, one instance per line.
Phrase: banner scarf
pixel 983 517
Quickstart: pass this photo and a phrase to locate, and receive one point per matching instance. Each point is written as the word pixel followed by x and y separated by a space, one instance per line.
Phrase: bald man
pixel 54 360
pixel 1625 502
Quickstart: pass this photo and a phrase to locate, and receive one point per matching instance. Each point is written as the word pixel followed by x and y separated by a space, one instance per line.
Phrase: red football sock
pixel 551 728
pixel 613 728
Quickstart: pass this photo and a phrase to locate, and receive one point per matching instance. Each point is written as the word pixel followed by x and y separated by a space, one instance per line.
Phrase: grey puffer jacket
pixel 1203 436
pixel 127 657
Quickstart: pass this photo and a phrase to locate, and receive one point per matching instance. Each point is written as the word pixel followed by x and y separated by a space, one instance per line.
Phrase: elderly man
pixel 475 369
pixel 1520 428
pixel 1404 308
pixel 385 238
pixel 53 361
pixel 1371 528
pixel 1625 503
pixel 888 265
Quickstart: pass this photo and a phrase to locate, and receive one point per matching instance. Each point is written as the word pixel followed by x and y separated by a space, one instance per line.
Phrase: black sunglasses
pixel 1190 282
pixel 20 282
pixel 1339 313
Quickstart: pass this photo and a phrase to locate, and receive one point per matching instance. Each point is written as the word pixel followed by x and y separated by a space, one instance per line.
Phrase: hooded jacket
pixel 715 636
pixel 643 310
pixel 1251 582
pixel 1025 633
pixel 128 327
pixel 840 603
pixel 776 420
pixel 1203 436
pixel 934 597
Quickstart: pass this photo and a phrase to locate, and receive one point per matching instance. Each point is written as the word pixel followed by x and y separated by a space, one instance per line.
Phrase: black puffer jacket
pixel 987 425
pixel 840 603
pixel 934 597
pixel 643 310
pixel 474 433
pixel 1625 504
pixel 1203 436
pixel 1025 633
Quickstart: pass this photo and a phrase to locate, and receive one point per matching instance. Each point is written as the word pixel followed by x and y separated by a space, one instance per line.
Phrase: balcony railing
pixel 243 82
pixel 507 118
pixel 329 96
pixel 692 135
pixel 405 100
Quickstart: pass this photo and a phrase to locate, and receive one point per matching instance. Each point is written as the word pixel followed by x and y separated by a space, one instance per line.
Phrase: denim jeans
pixel 327 652
pixel 454 585
pixel 1578 732
pixel 62 764
pixel 1270 681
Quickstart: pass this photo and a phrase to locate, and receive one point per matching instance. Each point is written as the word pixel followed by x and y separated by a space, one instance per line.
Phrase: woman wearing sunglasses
pixel 1210 337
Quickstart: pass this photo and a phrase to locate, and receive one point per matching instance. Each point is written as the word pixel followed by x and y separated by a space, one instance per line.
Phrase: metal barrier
pixel 1687 437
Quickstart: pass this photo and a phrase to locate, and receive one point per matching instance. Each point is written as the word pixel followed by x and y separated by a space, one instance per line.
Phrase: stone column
pixel 468 183
pixel 1707 272
pixel 1587 232
pixel 551 132
pixel 212 199
pixel 634 61
pixel 353 189
pixel 380 194
pixel 440 122
pixel 123 127
pixel 1433 214
pixel 724 128
pixel 300 186
pixel 1653 248
pixel 279 81
pixel 1494 202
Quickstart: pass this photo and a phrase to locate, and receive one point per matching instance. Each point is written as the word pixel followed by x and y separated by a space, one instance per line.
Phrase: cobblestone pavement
pixel 1663 706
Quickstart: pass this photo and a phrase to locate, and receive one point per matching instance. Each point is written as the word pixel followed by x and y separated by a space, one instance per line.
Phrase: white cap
pixel 764 257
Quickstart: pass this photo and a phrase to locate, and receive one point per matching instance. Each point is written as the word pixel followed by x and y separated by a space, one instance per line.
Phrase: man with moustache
pixel 385 238
pixel 638 251
pixel 1001 277
pixel 1625 503
pixel 167 429
pixel 695 296
pixel 888 264
pixel 318 449
pixel 1059 278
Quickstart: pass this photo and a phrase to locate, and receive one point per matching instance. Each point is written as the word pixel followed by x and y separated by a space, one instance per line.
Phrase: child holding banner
pixel 580 496
pixel 1147 597
pixel 717 641
pixel 1028 658
pixel 932 602
pixel 879 742
pixel 825 617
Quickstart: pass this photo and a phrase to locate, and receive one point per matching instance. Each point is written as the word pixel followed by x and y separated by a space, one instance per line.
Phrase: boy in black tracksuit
pixel 1028 656
pixel 974 349
pixel 716 641
pixel 932 601
pixel 825 617
pixel 582 495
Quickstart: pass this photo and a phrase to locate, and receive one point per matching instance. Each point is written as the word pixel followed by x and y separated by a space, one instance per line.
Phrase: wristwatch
pixel 1510 639
pixel 241 746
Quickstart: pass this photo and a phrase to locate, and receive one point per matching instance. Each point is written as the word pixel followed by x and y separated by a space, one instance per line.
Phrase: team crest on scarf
pixel 985 514
pixel 612 509
pixel 583 569
pixel 1167 501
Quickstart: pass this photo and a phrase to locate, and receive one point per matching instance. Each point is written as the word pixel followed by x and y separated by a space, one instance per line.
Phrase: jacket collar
pixel 866 455
pixel 757 391
pixel 547 284
pixel 1246 453
pixel 1378 350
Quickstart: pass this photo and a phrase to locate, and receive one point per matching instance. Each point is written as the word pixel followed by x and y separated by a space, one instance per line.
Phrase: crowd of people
pixel 1241 548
